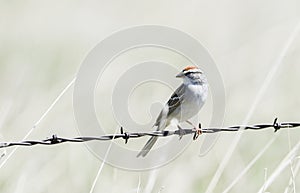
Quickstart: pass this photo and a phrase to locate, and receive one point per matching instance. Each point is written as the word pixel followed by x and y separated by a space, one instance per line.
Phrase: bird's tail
pixel 147 146
pixel 161 124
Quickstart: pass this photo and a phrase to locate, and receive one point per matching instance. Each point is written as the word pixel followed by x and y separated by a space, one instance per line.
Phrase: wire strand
pixel 127 135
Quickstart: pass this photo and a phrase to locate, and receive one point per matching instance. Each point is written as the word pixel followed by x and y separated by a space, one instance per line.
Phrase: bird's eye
pixel 188 73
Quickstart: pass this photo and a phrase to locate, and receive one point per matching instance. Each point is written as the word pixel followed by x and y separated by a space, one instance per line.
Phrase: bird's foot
pixel 181 132
pixel 198 131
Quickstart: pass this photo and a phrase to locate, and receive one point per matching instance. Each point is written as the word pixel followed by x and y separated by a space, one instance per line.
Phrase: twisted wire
pixel 54 139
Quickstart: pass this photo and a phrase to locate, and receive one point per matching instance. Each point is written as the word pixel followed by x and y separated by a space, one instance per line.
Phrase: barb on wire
pixel 127 135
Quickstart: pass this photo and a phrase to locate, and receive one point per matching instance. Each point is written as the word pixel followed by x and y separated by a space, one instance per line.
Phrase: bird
pixel 184 103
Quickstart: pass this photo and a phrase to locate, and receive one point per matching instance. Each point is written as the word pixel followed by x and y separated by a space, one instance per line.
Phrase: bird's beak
pixel 180 75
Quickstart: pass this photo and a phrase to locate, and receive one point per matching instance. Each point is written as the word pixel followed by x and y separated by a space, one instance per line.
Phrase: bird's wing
pixel 173 103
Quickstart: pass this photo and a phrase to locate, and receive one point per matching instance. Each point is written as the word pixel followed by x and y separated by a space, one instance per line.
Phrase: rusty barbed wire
pixel 127 135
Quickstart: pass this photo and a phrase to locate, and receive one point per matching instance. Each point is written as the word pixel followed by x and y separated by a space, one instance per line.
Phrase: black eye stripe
pixel 188 73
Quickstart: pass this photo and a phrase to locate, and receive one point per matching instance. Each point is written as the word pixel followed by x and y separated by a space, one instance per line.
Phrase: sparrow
pixel 185 102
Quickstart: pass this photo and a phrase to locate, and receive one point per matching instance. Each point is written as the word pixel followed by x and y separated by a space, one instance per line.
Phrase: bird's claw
pixel 181 132
pixel 198 131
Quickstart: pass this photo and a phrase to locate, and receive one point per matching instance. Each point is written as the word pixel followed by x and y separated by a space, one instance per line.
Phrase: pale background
pixel 255 45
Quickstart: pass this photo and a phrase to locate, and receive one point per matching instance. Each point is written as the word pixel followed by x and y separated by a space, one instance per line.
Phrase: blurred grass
pixel 42 45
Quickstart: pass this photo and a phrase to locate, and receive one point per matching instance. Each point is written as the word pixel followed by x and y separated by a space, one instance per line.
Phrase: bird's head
pixel 192 74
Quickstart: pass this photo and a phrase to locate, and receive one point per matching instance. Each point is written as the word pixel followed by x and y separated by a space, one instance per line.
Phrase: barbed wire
pixel 127 135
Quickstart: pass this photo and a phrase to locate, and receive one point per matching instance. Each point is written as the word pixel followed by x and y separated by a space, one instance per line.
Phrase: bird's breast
pixel 195 97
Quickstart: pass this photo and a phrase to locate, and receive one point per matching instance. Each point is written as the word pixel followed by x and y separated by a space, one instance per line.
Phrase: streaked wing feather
pixel 173 103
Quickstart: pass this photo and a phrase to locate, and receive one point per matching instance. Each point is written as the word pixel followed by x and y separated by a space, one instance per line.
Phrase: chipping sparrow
pixel 185 103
